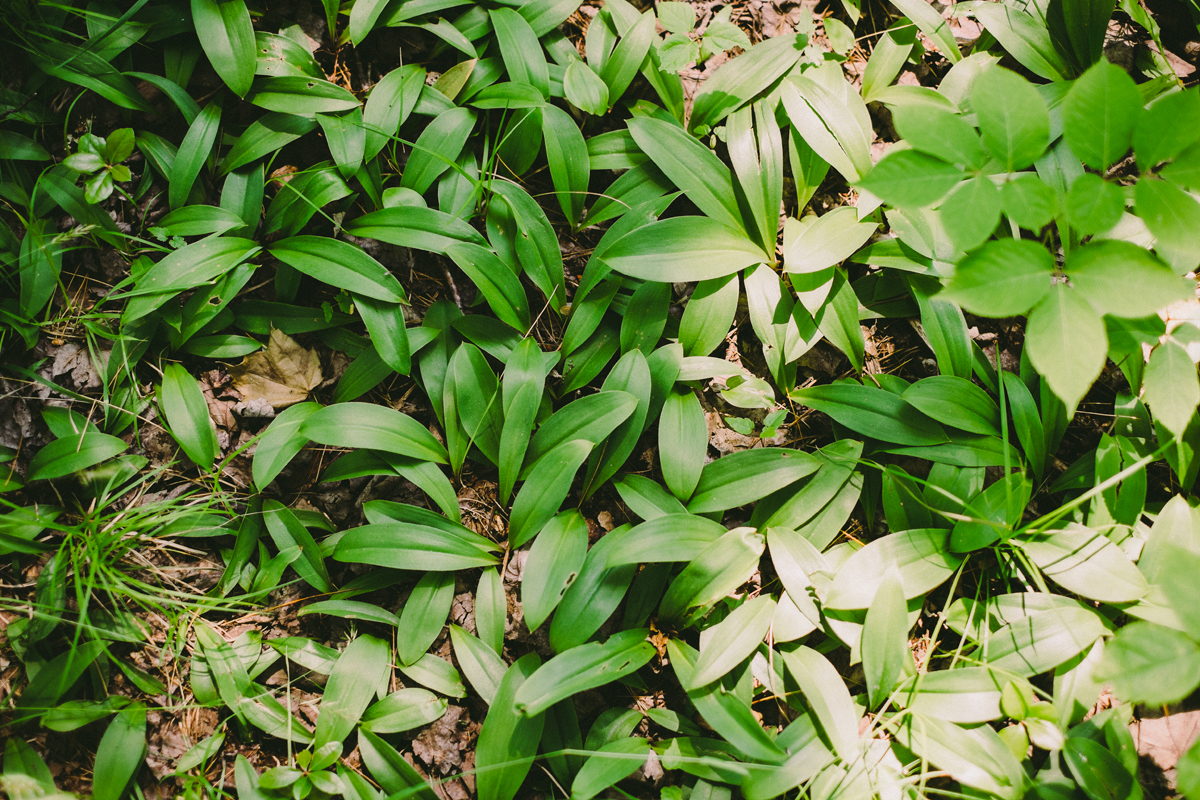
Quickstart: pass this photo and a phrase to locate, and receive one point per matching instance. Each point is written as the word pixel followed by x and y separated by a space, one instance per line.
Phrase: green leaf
pixel 873 412
pixel 683 249
pixel 73 453
pixel 588 666
pixel 741 478
pixel 411 226
pixel 1084 26
pixel 956 402
pixel 1167 128
pixel 390 770
pixel 1028 201
pixel 375 428
pixel 676 17
pixel 616 760
pixel 522 53
pixel 584 89
pixel 350 609
pixel 567 156
pixel 265 135
pixel 424 616
pixel 480 663
pixel 227 36
pixel 186 268
pixel 509 738
pixel 1003 278
pixel 186 413
pixel 436 674
pixel 691 166
pixel 1099 773
pixel 341 265
pixel 496 281
pixel 1067 343
pixel 708 314
pixel 1012 117
pixel 921 556
pixel 193 153
pixel 971 212
pixel 826 694
pixel 410 547
pixel 594 595
pixel 1122 279
pixel 1087 563
pixel 911 179
pixel 1173 216
pixel 347 138
pixel 630 374
pixel 292 94
pixel 1027 421
pixel 289 533
pixel 885 654
pixel 591 418
pixel 404 710
pixel 1172 389
pixel 682 442
pixel 1100 114
pixel 1150 664
pixel 732 641
pixel 677 51
pixel 933 25
pixel 362 666
pixel 835 124
pixel 120 754
pixel 717 571
pixel 389 104
pixel 554 562
pixel 742 79
pixel 621 67
pixel 939 133
pixel 491 610
pixel 1042 640
pixel 364 15
pixel 544 491
pixel 1024 36
pixel 438 146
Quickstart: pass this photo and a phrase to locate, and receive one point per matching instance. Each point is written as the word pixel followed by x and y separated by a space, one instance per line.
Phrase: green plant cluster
pixel 1037 181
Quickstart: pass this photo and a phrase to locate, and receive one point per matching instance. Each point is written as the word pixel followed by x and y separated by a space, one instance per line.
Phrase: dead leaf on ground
pixel 281 375
pixel 1165 739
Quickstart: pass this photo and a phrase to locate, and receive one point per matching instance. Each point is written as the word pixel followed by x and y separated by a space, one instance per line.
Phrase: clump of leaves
pixel 683 45
pixel 100 160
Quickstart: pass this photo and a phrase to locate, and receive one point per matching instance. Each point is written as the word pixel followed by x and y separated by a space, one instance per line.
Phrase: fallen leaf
pixel 281 375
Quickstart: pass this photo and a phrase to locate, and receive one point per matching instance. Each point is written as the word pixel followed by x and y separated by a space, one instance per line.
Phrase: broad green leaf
pixel 186 268
pixel 939 133
pixel 645 317
pixel 491 610
pixel 545 489
pixel 911 179
pixel 955 402
pixel 509 738
pixel 436 674
pixel 1087 563
pixel 424 615
pixel 708 315
pixel 1172 215
pixel 873 412
pixel 437 148
pixel 740 478
pixel 289 533
pixel 976 757
pixel 1084 26
pixel 1150 664
pixel 668 537
pixel 932 24
pixel 72 453
pixel 1029 201
pixel 1122 279
pixel 585 89
pixel 350 609
pixel 614 761
pixel 567 156
pixel 828 697
pixel 683 249
pixel 621 67
pixel 227 36
pixel 519 418
pixel 358 672
pixel 1024 36
pixel 822 242
pixel 389 104
pixel 717 571
pixel 1012 117
pixel 1100 114
pixel 1167 128
pixel 1066 343
pixel 594 595
pixel 523 57
pixel 922 557
pixel 495 281
pixel 404 710
pixel 630 374
pixel 411 226
pixel 1043 640
pixel 829 125
pixel 971 212
pixel 591 418
pixel 186 413
pixel 364 15
pixel 341 265
pixel 347 138
pixel 481 664
pixel 742 79
pixel 554 562
pixel 588 666
pixel 691 166
pixel 390 770
pixel 945 327
pixel 756 151
pixel 193 153
pixel 682 442
pixel 1027 421
pixel 885 654
pixel 411 547
pixel 536 244
pixel 1098 772
pixel 732 640
pixel 265 135
pixel 375 428
pixel 199 221
pixel 1172 389
pixel 1003 278
pixel 119 755
pixel 293 94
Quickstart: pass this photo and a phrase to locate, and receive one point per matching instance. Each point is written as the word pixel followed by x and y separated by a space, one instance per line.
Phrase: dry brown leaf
pixel 281 375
